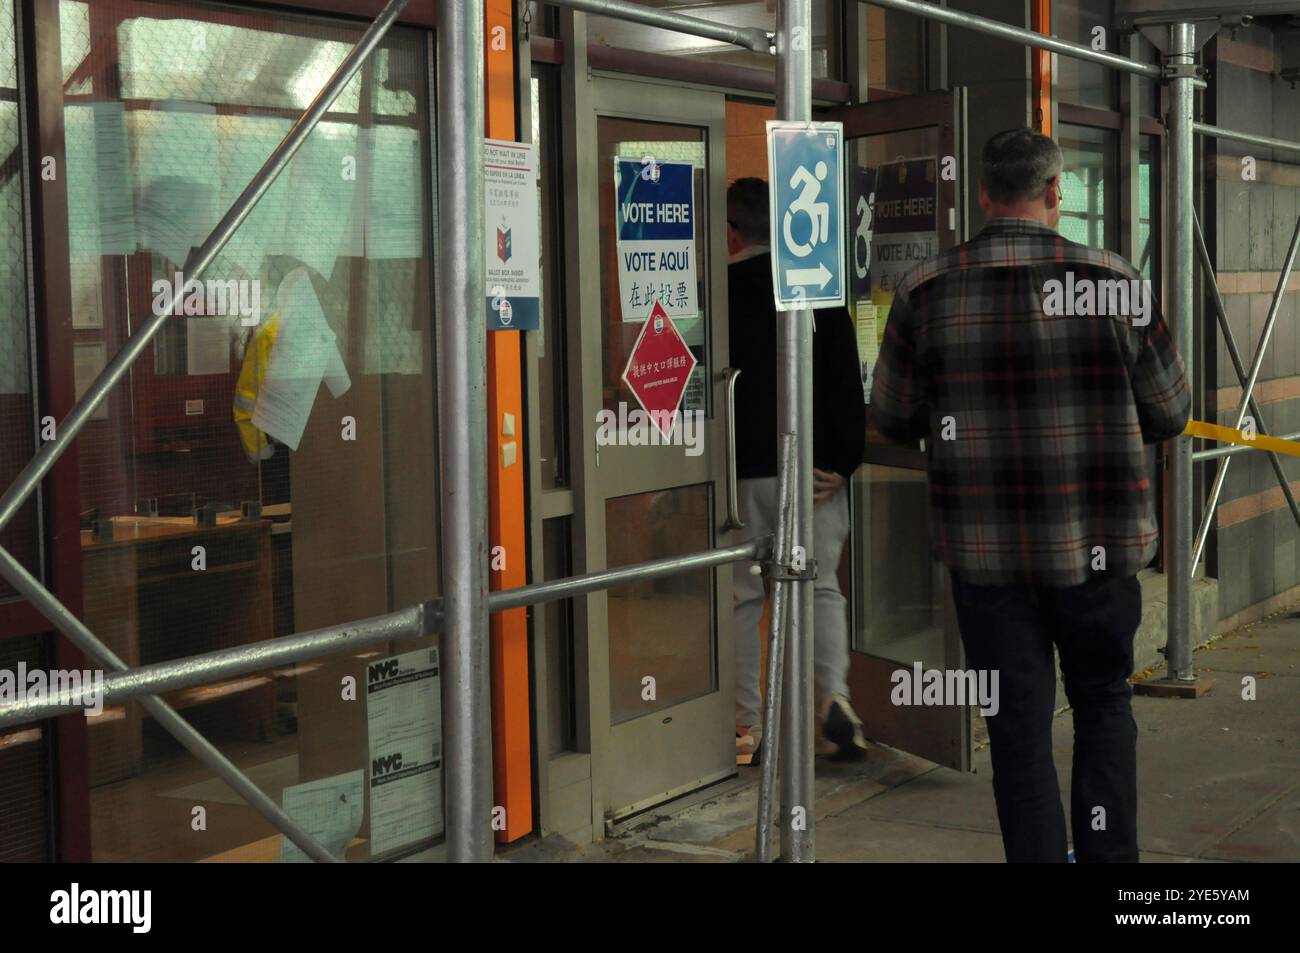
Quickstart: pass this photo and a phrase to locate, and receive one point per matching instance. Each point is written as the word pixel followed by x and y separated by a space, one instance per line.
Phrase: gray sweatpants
pixel 830 609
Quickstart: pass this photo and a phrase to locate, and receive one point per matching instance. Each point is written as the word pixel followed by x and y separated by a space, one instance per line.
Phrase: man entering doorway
pixel 839 432
pixel 1035 416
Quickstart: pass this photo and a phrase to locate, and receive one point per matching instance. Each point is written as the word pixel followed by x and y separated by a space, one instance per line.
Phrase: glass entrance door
pixel 653 320
pixel 907 179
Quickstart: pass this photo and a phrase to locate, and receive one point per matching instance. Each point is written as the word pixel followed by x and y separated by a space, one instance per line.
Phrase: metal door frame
pixel 587 97
pixel 939 734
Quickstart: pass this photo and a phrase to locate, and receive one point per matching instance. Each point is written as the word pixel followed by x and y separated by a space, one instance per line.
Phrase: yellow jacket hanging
pixel 257 353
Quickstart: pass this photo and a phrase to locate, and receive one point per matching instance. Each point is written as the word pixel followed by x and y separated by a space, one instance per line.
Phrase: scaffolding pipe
pixel 411 623
pixel 794 414
pixel 775 653
pixel 1006 31
pixel 501 600
pixel 1202 455
pixel 760 41
pixel 1218 132
pixel 195 266
pixel 462 381
pixel 1182 272
pixel 118 686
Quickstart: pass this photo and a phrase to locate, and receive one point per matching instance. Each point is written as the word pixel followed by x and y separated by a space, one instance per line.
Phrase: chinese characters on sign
pixel 658 368
pixel 655 218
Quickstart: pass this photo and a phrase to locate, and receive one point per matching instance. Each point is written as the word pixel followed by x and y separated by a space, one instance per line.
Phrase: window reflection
pixel 268 465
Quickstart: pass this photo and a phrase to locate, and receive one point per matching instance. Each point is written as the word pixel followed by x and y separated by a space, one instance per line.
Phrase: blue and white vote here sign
pixel 805 162
pixel 655 216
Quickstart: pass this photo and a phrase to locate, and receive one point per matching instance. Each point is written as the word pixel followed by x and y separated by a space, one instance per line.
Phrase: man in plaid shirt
pixel 1036 370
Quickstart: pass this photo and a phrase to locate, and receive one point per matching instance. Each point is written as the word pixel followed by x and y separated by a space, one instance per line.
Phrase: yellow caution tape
pixel 1258 441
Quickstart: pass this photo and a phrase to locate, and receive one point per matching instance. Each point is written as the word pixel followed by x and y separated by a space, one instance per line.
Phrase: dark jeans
pixel 1011 629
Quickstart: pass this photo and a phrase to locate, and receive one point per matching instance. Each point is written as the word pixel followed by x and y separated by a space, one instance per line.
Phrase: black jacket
pixel 839 414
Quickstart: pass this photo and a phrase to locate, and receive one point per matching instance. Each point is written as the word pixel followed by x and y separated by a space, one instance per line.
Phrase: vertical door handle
pixel 729 375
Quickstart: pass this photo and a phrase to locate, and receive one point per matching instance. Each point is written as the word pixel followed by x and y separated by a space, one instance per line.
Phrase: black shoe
pixel 843 729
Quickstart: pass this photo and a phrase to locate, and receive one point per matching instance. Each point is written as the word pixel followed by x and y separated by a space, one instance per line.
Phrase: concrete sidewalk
pixel 1218 780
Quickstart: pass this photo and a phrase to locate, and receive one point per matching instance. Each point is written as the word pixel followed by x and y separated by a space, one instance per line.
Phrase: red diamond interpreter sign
pixel 658 369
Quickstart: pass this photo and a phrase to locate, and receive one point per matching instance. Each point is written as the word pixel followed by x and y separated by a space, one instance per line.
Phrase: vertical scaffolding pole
pixel 794 410
pixel 1182 256
pixel 462 377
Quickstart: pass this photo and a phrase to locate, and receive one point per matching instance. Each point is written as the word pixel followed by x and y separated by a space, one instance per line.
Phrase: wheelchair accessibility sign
pixel 806 171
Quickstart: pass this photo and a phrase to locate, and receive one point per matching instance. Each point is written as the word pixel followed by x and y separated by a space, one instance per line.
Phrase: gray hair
pixel 1017 164
pixel 747 208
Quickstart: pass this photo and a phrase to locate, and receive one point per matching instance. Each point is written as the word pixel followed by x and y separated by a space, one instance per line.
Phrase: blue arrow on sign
pixel 806 169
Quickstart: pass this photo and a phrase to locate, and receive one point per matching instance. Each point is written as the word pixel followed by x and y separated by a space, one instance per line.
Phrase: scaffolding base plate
pixel 1174 687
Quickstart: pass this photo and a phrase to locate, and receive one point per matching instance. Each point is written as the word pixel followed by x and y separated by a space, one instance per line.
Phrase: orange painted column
pixel 1042 68
pixel 511 735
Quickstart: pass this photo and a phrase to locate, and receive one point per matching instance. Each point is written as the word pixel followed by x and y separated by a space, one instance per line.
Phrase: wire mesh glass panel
pixel 268 465
pixel 25 815
pixel 661 628
pixel 1090 196
pixel 369 788
pixel 17 420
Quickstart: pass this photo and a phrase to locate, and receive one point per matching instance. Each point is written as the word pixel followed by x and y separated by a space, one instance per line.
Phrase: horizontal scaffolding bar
pixel 1218 132
pixel 751 38
pixel 758 548
pixel 414 622
pixel 1006 31
pixel 1217 452
pixel 209 667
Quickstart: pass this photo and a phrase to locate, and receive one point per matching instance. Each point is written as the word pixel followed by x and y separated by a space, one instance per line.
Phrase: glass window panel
pixel 899 591
pixel 895 50
pixel 74 38
pixel 871 282
pixel 633 139
pixel 1089 183
pixel 561 658
pixel 17 423
pixel 1148 182
pixel 662 628
pixel 1089 22
pixel 268 466
pixel 207 61
pixel 25 798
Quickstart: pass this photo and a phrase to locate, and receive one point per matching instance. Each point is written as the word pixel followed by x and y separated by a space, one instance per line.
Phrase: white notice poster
pixel 404 718
pixel 330 810
pixel 512 244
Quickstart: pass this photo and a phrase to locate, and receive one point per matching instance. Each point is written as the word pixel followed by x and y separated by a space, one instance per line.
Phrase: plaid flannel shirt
pixel 1036 422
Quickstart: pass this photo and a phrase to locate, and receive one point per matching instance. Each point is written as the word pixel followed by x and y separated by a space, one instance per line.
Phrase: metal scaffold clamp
pixel 774 570
pixel 1170 71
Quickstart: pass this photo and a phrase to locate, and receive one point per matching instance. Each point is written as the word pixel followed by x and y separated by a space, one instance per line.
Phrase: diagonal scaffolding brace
pixel 29 479
pixel 1247 392
pixel 1235 356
